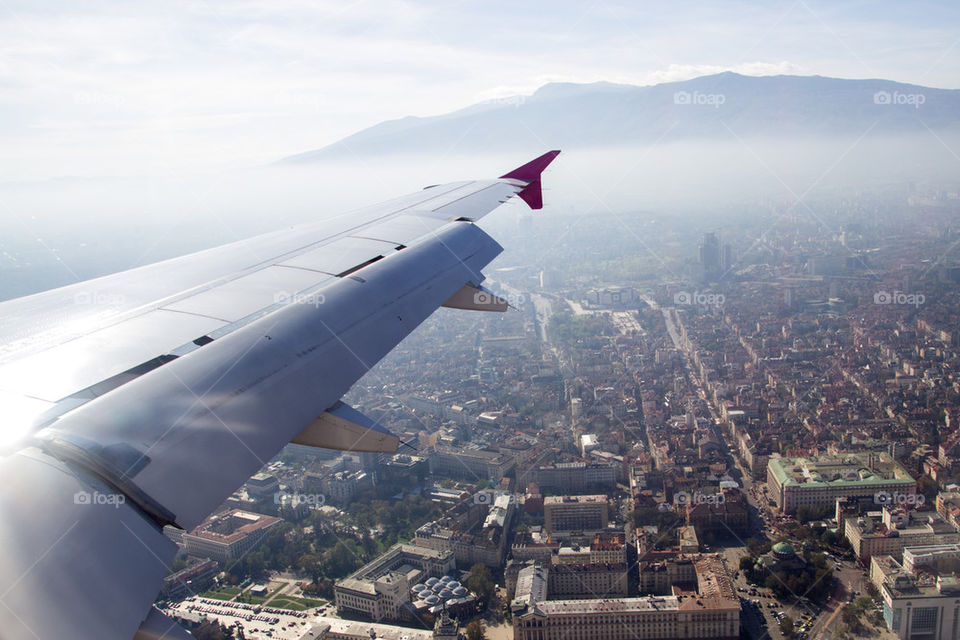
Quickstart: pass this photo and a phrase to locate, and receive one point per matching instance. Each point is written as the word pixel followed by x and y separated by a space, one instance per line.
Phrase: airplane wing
pixel 145 398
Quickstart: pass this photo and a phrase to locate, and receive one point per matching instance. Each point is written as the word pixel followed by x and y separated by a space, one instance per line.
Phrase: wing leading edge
pixel 62 348
pixel 169 444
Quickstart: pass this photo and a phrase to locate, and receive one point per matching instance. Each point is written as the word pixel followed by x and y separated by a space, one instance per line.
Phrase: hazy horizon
pixel 87 228
pixel 100 90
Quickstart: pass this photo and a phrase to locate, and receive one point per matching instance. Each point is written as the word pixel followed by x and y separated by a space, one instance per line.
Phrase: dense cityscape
pixel 431 320
pixel 748 432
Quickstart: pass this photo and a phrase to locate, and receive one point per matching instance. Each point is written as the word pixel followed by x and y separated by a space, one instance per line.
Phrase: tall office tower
pixel 726 258
pixel 709 255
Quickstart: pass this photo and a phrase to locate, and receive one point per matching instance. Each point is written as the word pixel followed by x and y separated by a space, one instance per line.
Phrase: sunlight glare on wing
pixel 18 418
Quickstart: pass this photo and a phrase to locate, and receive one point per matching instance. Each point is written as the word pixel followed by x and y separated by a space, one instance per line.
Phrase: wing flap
pixel 341 255
pixel 241 297
pixel 403 229
pixel 471 297
pixel 343 427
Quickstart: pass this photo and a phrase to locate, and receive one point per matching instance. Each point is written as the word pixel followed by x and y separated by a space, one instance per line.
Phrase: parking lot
pixel 762 611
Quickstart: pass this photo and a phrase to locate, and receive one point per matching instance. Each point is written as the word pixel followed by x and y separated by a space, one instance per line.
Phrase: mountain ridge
pixel 723 105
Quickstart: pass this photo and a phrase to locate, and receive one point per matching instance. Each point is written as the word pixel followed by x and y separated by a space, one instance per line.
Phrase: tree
pixel 309 564
pixel 746 563
pixel 254 565
pixel 786 626
pixel 806 513
pixel 342 559
pixel 927 487
pixel 757 547
pixel 773 583
pixel 481 583
pixel 851 618
pixel 830 537
pixel 211 631
pixel 476 630
pixel 369 544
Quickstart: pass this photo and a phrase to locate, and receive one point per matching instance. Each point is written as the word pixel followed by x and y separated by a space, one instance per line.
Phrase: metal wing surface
pixel 144 398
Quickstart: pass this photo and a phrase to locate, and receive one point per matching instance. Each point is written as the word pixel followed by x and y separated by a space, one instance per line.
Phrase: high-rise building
pixel 726 258
pixel 708 254
pixel 575 513
pixel 577 477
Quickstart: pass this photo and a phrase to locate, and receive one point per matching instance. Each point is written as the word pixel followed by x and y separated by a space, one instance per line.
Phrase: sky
pixel 98 89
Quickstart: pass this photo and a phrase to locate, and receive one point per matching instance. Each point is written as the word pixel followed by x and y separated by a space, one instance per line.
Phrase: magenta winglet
pixel 532 170
pixel 532 194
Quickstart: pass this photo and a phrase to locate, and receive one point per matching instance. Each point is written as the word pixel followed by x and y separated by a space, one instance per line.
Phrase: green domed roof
pixel 783 549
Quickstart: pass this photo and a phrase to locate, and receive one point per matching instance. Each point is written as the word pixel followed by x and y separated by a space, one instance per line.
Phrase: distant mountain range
pixel 723 106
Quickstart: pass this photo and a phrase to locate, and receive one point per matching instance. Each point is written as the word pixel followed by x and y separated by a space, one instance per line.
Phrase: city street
pixel 759 606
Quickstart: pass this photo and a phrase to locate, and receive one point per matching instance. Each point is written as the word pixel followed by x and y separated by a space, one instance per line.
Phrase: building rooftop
pixel 393 559
pixel 232 526
pixel 851 469
pixel 482 454
pixel 922 583
pixel 634 605
pixel 713 582
pixel 580 607
pixel 931 553
pixel 497 516
pixel 552 500
pixel 531 587
pixel 353 628
pixel 907 525
pixel 607 542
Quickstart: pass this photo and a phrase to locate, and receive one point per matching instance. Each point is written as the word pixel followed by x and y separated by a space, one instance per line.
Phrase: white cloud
pixel 677 72
pixel 108 88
